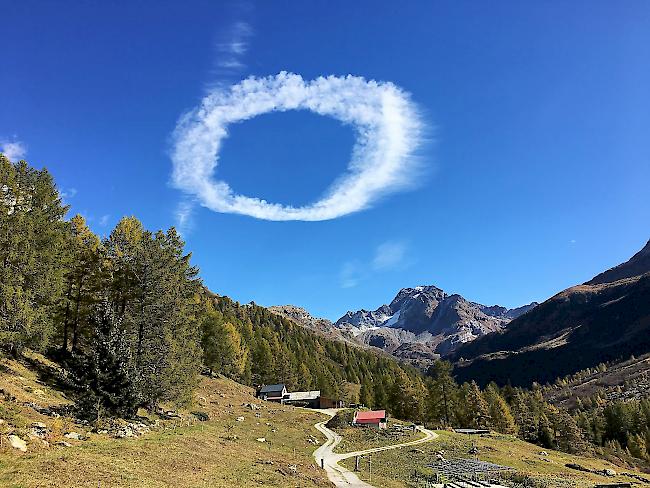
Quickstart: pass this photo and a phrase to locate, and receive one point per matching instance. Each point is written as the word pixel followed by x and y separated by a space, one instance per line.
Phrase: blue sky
pixel 534 160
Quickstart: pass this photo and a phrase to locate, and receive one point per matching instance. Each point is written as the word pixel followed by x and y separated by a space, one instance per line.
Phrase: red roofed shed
pixel 370 418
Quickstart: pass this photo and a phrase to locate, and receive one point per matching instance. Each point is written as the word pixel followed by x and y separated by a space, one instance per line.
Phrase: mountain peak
pixel 426 315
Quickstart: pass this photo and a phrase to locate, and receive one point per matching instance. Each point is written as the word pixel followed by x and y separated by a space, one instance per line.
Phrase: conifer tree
pixel 636 444
pixel 365 394
pixel 32 232
pixel 222 347
pixel 443 391
pixel 82 282
pixel 108 378
pixel 404 399
pixel 501 418
pixel 477 407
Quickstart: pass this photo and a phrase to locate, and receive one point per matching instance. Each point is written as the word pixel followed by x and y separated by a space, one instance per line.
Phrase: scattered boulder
pixel 130 429
pixel 42 410
pixel 169 415
pixel 63 444
pixel 74 435
pixel 609 472
pixel 261 439
pixel 418 451
pixel 17 443
pixel 239 419
pixel 39 430
pixel 252 406
pixel 543 453
pixel 202 416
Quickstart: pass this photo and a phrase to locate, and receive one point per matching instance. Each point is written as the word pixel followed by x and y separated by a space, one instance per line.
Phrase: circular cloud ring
pixel 386 122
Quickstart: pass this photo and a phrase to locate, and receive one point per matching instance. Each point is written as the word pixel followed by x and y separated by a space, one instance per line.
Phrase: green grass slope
pixel 179 452
pixel 406 467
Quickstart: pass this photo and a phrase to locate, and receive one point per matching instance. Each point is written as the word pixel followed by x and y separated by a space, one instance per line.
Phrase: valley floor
pixel 535 467
pixel 245 442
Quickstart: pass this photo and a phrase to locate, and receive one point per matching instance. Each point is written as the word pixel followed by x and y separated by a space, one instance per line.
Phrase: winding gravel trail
pixel 328 459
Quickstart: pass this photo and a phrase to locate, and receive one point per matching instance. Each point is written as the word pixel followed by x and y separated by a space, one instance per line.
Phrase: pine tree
pixel 108 378
pixel 82 282
pixel 222 347
pixel 165 319
pixel 526 421
pixel 404 399
pixel 545 434
pixel 477 407
pixel 365 394
pixel 501 418
pixel 443 391
pixel 636 444
pixel 568 436
pixel 32 232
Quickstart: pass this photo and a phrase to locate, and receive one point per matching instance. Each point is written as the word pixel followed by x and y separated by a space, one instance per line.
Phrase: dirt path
pixel 341 476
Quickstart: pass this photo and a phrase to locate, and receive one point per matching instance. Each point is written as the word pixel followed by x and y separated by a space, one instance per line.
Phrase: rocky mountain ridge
pixel 419 325
pixel 425 322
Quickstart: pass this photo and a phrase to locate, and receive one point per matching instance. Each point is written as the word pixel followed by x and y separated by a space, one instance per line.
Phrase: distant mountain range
pixel 419 325
pixel 425 322
pixel 604 319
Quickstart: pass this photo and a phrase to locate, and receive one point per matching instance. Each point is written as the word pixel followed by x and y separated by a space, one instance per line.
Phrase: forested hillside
pixel 259 346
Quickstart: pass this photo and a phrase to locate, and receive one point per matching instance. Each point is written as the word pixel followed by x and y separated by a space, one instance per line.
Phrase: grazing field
pixel 182 452
pixel 359 438
pixel 407 467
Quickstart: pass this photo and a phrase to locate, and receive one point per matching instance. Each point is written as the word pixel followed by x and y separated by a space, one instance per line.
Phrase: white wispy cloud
pixel 389 255
pixel 231 48
pixel 103 220
pixel 14 150
pixel 387 125
pixel 183 215
pixel 67 193
pixel 350 274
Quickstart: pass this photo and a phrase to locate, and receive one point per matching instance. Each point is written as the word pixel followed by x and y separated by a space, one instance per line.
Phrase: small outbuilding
pixel 326 402
pixel 272 393
pixel 370 418
pixel 310 399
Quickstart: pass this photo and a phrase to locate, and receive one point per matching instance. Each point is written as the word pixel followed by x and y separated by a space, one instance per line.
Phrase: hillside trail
pixel 328 459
